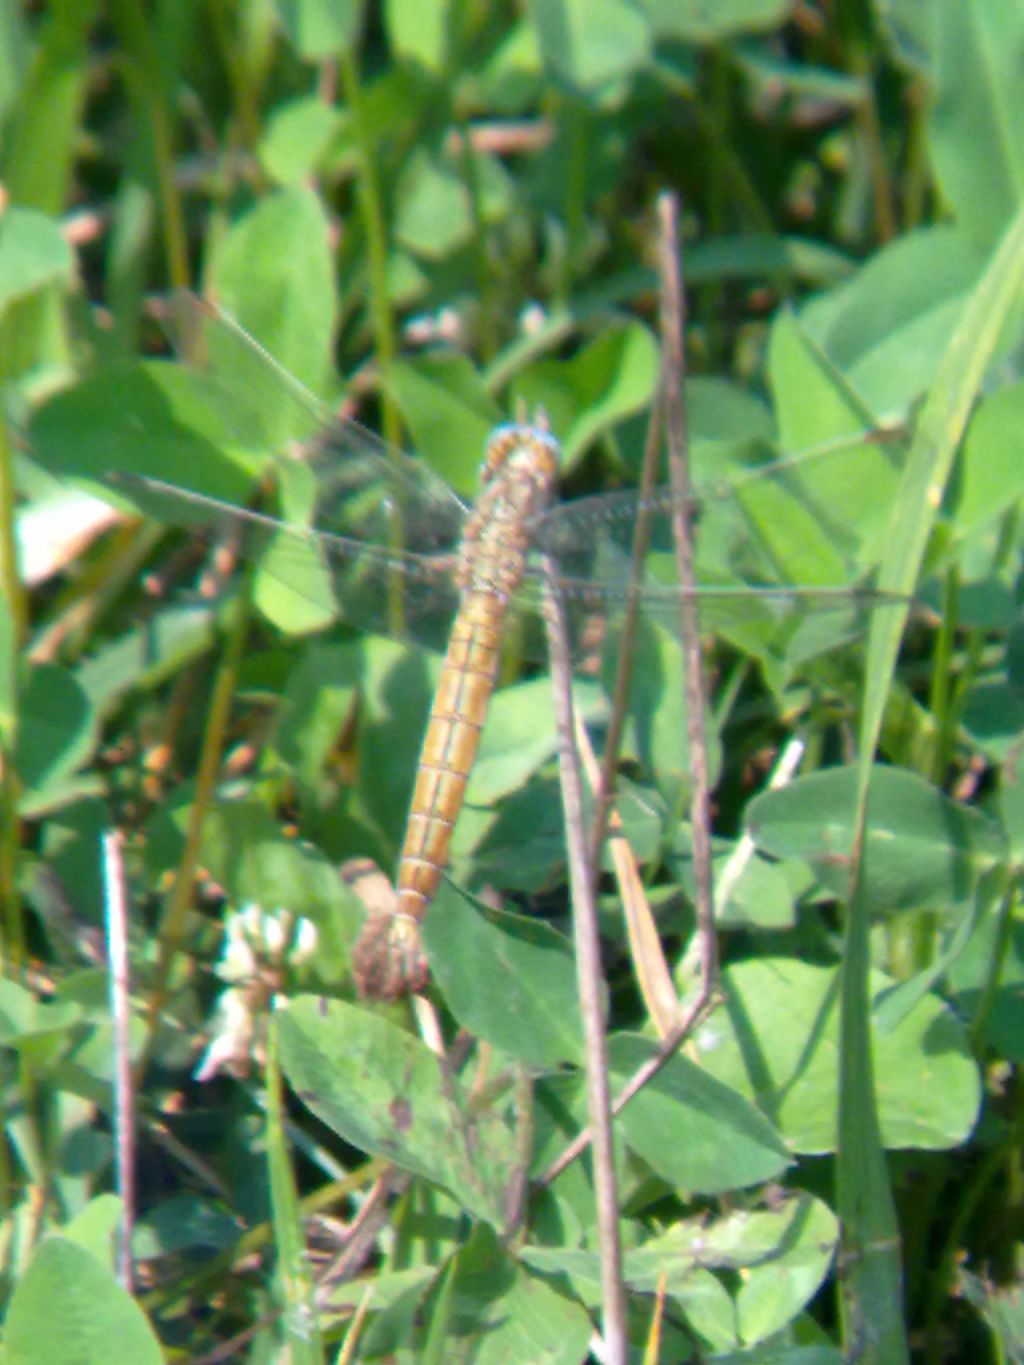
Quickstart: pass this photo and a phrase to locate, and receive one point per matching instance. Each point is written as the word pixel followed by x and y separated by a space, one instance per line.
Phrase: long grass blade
pixel 301 1325
pixel 871 1287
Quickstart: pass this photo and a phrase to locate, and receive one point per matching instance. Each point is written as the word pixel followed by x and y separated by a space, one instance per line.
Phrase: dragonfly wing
pixel 813 520
pixel 368 534
pixel 308 577
pixel 784 552
pixel 364 487
pixel 409 597
pixel 263 392
pixel 793 623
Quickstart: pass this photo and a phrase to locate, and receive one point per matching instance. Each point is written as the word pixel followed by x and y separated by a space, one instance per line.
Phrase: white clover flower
pixel 258 945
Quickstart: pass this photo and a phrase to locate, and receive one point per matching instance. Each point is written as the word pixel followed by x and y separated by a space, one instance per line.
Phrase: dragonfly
pixel 375 537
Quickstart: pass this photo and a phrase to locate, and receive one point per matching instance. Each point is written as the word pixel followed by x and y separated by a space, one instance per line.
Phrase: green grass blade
pixel 872 1289
pixel 301 1328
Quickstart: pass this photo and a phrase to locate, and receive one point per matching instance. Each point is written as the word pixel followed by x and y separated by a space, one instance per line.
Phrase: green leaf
pixel 56 734
pixel 33 253
pixel 156 419
pixel 609 379
pixel 69 870
pixel 274 274
pixel 990 477
pixel 922 849
pixel 737 1278
pixel 185 1223
pixel 588 43
pixel 299 135
pixel 321 28
pixel 449 413
pixel 512 75
pixel 887 327
pixel 697 1134
pixel 510 833
pixel 510 1314
pixel 697 21
pixel 384 1091
pixel 434 211
pixel 773 75
pixel 776 1041
pixel 813 401
pixel 974 54
pixel 508 979
pixel 67 1309
pixel 722 414
pixel 294 587
pixel 656 732
pixel 147 655
pixel 754 255
pixel 317 698
pixel 774 1289
pixel 993 709
pixel 828 524
pixel 764 895
pixel 519 736
pixel 782 1255
pixel 24 1017
pixel 96 1227
pixel 397 687
pixel 518 844
pixel 419 32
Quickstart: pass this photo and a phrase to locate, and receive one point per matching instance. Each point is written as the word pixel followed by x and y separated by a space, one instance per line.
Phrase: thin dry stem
pixel 673 318
pixel 673 369
pixel 115 906
pixel 589 976
pixel 605 789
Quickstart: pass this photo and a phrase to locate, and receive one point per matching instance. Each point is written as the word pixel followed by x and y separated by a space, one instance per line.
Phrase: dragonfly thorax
pixel 519 478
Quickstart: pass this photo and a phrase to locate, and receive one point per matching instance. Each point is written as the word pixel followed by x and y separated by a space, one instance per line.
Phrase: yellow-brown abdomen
pixel 449 749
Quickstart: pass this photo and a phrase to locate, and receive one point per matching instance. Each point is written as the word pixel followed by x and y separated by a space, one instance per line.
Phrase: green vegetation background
pixel 443 212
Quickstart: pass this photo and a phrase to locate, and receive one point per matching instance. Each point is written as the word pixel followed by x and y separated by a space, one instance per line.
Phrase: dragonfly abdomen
pixel 449 749
pixel 389 959
pixel 519 479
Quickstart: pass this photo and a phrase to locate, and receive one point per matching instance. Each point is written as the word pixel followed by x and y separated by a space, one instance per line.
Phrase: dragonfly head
pixel 521 445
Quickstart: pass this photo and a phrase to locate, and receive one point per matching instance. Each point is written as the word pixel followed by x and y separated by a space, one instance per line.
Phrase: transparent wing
pixel 366 533
pixel 785 550
pixel 784 547
pixel 308 577
pixel 356 484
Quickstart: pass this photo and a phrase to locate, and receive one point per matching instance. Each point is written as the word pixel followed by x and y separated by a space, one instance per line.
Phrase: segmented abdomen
pixel 449 749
